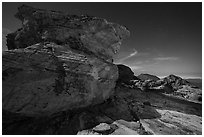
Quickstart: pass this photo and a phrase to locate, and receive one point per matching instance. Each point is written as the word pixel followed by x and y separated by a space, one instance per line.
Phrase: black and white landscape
pixel 102 68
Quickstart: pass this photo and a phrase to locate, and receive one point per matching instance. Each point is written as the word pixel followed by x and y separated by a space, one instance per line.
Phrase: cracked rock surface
pixel 85 33
pixel 59 62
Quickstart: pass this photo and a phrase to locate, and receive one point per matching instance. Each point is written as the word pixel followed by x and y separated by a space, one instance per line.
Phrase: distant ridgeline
pixel 189 89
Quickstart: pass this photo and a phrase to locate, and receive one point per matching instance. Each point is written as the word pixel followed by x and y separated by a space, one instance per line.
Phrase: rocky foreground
pixel 128 112
pixel 59 79
pixel 136 112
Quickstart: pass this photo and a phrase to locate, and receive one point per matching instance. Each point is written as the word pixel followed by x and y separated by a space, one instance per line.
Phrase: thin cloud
pixel 129 56
pixel 135 67
pixel 134 53
pixel 165 58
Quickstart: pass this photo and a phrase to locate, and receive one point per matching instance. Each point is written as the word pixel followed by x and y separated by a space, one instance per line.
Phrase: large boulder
pixel 84 33
pixel 125 74
pixel 37 81
pixel 59 62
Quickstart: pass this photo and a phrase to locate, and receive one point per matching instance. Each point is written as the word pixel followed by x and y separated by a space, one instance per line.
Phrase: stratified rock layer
pixel 84 33
pixel 37 81
pixel 59 62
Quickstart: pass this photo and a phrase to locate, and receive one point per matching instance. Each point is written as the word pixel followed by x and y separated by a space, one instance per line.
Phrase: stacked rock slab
pixel 58 62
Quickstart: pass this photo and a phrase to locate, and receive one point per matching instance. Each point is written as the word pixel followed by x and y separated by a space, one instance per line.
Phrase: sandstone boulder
pixel 85 33
pixel 37 81
pixel 125 74
pixel 59 62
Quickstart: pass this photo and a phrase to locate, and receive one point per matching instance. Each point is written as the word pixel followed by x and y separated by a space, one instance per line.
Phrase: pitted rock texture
pixel 85 33
pixel 39 81
pixel 58 62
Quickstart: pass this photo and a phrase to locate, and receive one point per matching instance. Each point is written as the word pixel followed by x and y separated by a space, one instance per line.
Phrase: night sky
pixel 166 38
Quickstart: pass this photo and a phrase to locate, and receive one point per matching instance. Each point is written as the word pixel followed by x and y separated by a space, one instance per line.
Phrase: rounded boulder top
pixel 84 33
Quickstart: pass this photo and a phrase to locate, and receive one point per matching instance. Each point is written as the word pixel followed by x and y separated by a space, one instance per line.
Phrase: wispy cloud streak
pixel 129 56
pixel 135 67
pixel 165 58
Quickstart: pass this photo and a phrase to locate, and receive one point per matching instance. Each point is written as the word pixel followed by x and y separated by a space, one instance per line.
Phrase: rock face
pixel 189 93
pixel 84 33
pixel 125 74
pixel 118 127
pixel 172 85
pixel 136 112
pixel 148 77
pixel 175 81
pixel 59 62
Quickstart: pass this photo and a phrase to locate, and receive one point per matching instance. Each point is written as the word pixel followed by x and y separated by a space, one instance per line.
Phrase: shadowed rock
pixel 175 81
pixel 85 33
pixel 59 62
pixel 125 74
pixel 39 82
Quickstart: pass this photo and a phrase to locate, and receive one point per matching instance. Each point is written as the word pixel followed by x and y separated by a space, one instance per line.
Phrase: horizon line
pixel 183 77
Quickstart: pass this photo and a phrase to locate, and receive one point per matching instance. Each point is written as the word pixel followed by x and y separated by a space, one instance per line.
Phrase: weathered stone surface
pixel 171 85
pixel 124 128
pixel 58 62
pixel 137 112
pixel 166 115
pixel 173 123
pixel 175 81
pixel 102 127
pixel 85 33
pixel 118 127
pixel 47 78
pixel 125 74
